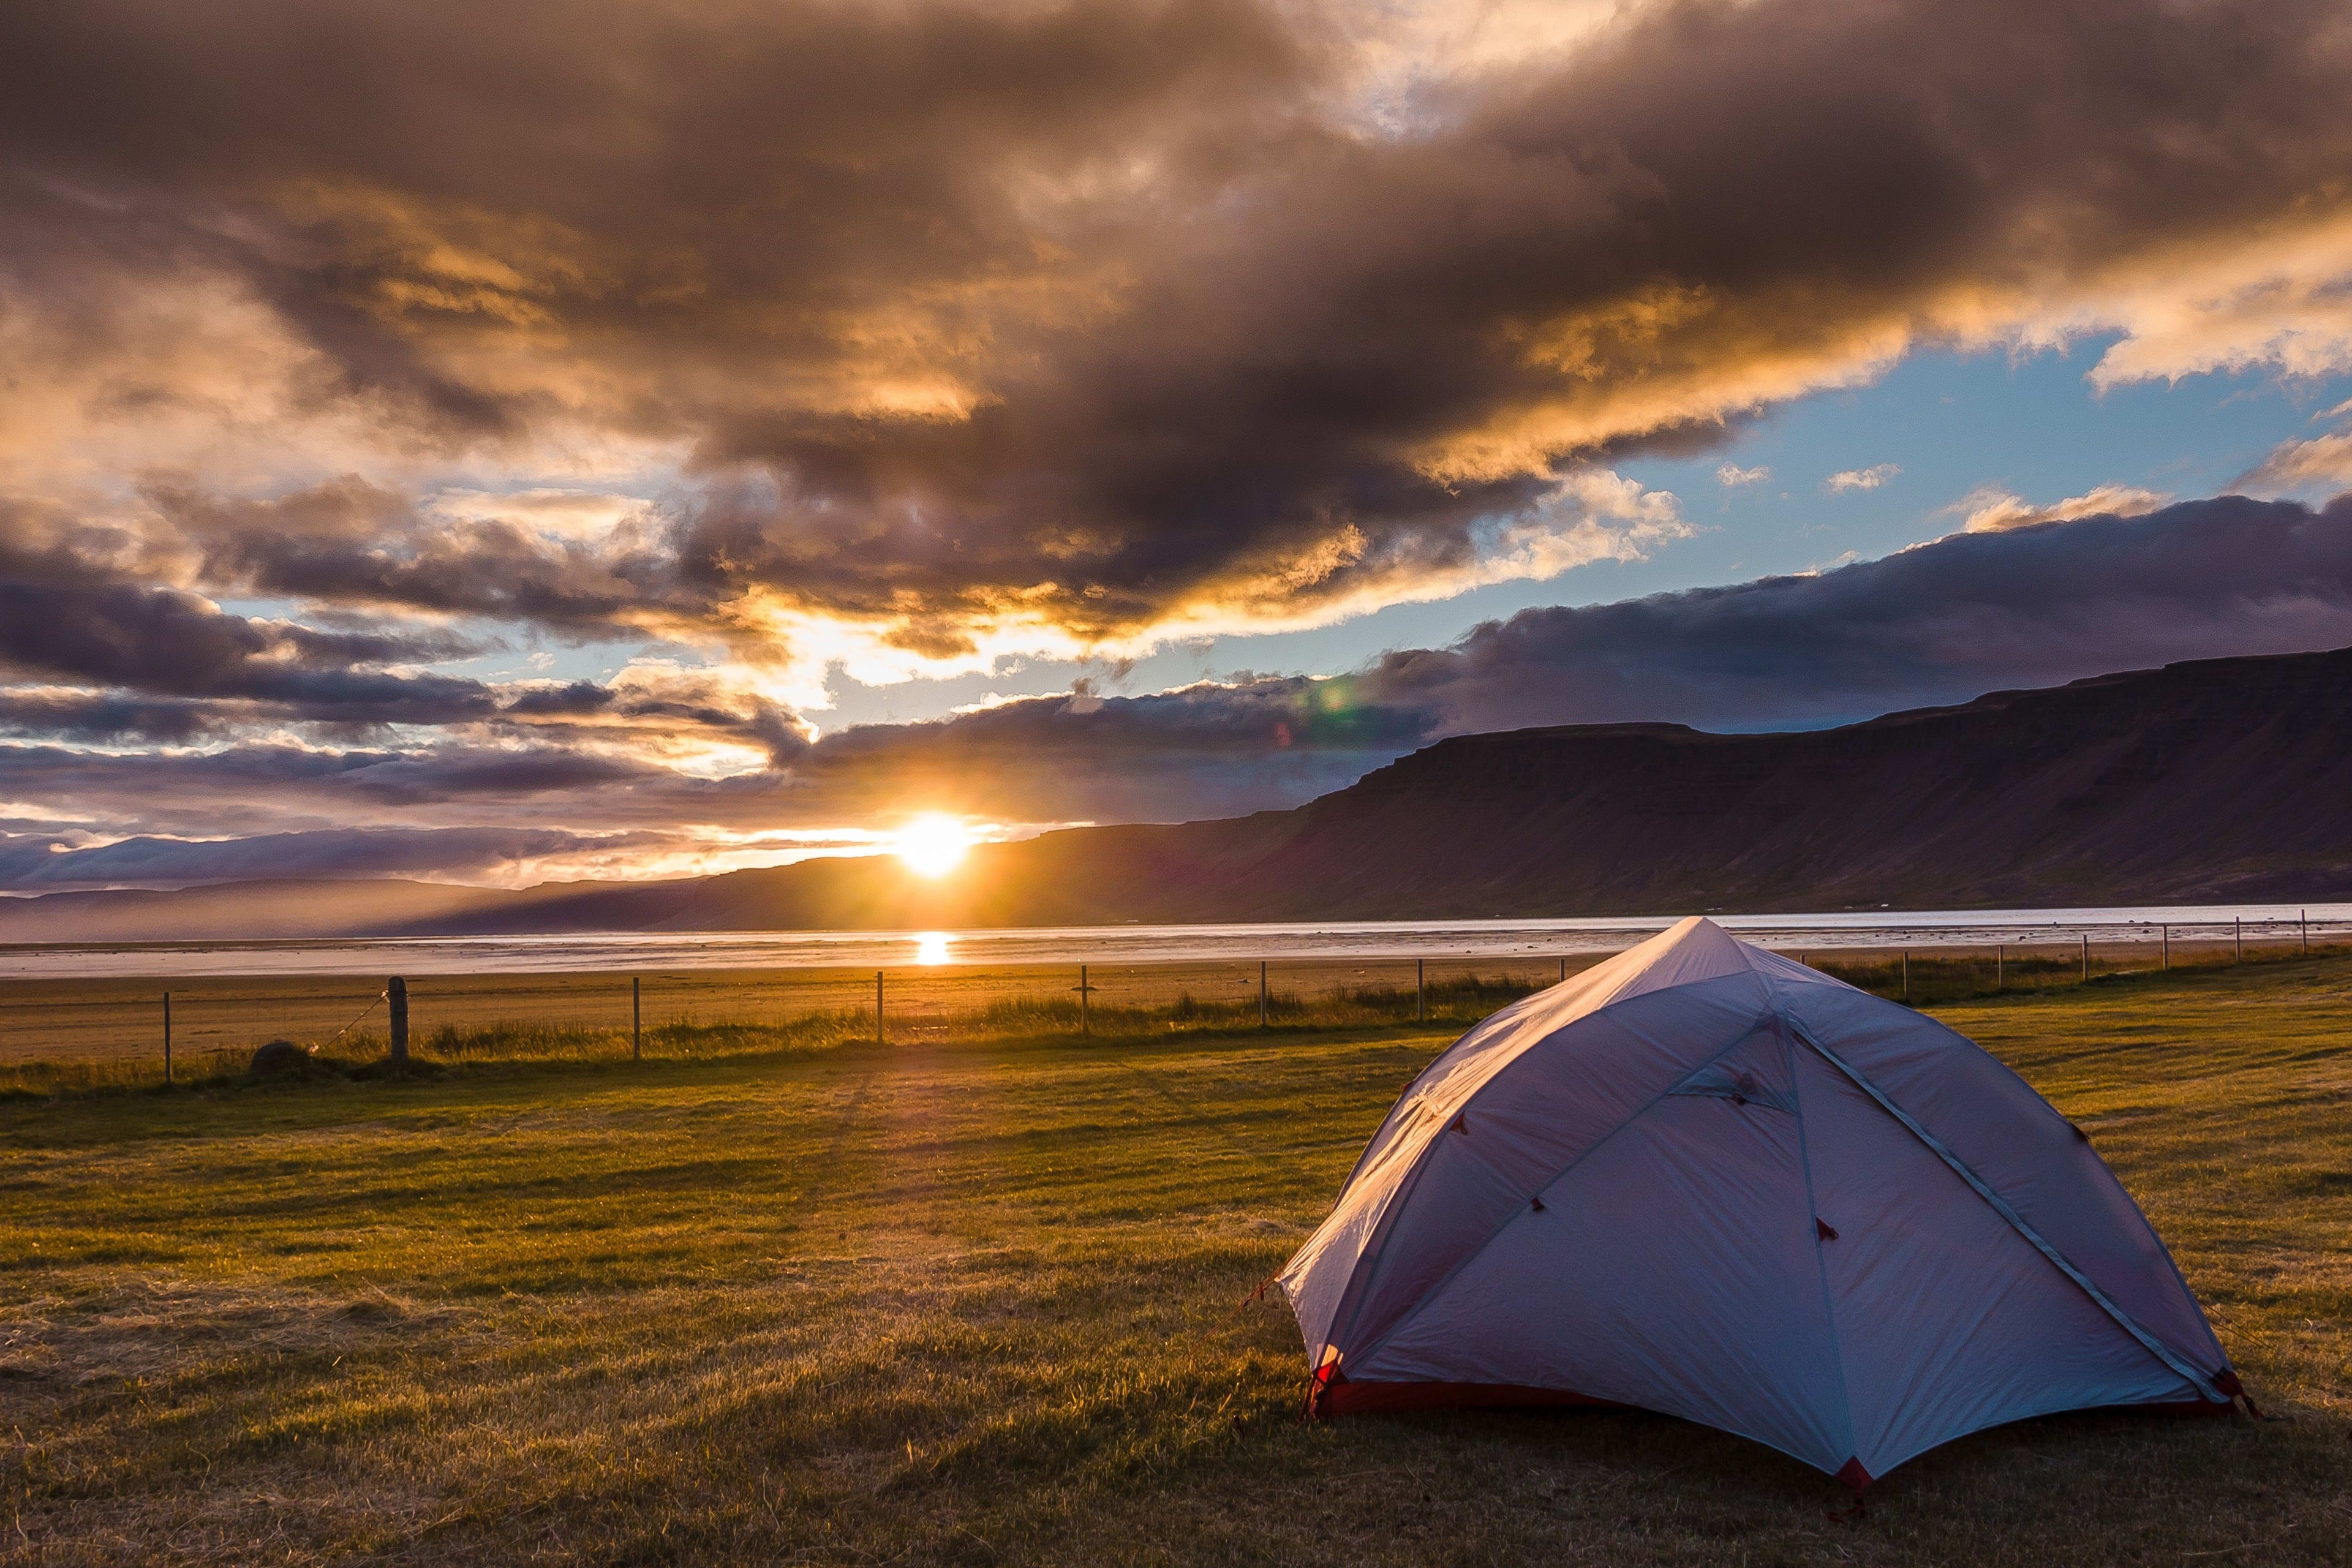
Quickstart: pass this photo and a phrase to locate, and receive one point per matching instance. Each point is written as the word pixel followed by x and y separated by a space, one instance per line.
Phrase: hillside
pixel 2224 779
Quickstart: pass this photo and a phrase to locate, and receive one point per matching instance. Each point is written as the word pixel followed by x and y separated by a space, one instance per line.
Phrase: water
pixel 1150 945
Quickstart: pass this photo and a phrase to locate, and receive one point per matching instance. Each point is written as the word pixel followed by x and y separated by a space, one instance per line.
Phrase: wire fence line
pixel 216 1023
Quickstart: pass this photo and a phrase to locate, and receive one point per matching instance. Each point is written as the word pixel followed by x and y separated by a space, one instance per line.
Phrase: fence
pixel 214 1023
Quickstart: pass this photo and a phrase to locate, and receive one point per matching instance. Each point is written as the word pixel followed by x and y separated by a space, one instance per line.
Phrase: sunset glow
pixel 491 507
pixel 933 844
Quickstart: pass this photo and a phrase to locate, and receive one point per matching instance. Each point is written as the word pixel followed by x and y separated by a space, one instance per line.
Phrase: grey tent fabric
pixel 1704 1180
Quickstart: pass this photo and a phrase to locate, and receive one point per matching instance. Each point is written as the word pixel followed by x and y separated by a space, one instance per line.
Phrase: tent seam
pixel 1375 1240
pixel 1597 1144
pixel 1820 1260
pixel 2001 1206
pixel 2146 1224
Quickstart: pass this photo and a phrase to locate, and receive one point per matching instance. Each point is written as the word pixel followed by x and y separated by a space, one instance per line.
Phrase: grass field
pixel 86 1031
pixel 973 1298
pixel 111 1023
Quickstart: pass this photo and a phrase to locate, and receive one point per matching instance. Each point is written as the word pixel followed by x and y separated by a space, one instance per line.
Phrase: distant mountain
pixel 2223 779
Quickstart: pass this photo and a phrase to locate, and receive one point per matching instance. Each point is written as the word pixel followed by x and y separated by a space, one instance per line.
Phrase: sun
pixel 933 844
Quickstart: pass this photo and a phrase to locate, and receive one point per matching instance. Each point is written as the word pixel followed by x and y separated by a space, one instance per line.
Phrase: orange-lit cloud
pixel 354 348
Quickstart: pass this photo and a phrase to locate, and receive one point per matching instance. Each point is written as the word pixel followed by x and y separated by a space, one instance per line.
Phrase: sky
pixel 614 439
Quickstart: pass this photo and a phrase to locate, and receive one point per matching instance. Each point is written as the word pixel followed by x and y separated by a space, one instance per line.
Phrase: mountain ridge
pixel 2207 781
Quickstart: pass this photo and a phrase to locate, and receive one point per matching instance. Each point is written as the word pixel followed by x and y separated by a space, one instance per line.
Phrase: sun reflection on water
pixel 932 947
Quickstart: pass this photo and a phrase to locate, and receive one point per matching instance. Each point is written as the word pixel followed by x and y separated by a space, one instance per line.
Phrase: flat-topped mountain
pixel 2219 779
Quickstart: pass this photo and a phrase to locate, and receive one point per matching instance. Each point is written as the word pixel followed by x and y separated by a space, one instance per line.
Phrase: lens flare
pixel 933 844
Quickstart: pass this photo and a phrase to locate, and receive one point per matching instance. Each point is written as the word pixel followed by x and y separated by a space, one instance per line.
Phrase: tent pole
pixel 2197 1380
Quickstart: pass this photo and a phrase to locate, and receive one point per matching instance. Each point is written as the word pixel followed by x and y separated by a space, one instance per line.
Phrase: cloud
pixel 1940 623
pixel 2323 464
pixel 438 854
pixel 1989 510
pixel 85 652
pixel 2282 300
pixel 1731 475
pixel 750 346
pixel 1868 478
pixel 1077 326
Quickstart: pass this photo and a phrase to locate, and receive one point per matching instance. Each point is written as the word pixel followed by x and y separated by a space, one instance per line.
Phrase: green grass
pixel 974 1299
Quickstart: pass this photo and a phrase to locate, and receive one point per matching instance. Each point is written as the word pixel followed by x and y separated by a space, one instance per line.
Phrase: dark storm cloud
pixel 1085 323
pixel 1940 623
pixel 85 654
pixel 162 641
pixel 1084 313
pixel 347 542
pixel 66 617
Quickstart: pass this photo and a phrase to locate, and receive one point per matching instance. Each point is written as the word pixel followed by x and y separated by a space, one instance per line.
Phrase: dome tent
pixel 1704 1180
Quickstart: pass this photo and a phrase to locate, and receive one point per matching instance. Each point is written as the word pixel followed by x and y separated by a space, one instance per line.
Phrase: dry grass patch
pixel 977 1303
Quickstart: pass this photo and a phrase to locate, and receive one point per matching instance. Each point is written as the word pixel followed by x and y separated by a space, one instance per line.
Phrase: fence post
pixel 1564 972
pixel 396 992
pixel 167 1037
pixel 1261 994
pixel 2167 950
pixel 636 1020
pixel 2302 919
pixel 2238 925
pixel 1420 991
pixel 877 1007
pixel 1906 974
pixel 2086 957
pixel 1086 1017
